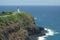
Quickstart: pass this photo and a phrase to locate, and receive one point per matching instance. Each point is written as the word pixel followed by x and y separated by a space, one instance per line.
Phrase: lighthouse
pixel 18 10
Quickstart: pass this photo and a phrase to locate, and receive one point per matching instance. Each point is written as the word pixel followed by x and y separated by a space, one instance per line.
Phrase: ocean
pixel 45 16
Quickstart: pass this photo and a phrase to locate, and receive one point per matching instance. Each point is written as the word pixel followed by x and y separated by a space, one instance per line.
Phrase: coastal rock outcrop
pixel 18 26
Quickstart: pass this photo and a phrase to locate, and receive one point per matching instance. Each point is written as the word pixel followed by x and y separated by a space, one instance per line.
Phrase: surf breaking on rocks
pixel 50 33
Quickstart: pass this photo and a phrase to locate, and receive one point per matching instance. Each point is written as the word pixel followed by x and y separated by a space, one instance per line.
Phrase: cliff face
pixel 17 26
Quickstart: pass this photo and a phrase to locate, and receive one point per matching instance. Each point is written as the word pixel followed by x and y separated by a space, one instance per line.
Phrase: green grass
pixel 6 18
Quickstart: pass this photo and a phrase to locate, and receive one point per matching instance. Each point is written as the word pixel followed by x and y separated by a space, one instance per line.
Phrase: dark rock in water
pixel 19 26
pixel 35 33
pixel 32 38
pixel 38 31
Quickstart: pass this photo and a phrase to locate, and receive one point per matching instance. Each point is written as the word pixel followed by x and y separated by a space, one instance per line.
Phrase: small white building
pixel 18 10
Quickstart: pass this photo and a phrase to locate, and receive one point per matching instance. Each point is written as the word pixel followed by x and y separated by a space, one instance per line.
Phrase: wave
pixel 50 33
pixel 35 18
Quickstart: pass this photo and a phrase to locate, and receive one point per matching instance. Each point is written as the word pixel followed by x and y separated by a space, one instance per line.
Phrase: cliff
pixel 18 26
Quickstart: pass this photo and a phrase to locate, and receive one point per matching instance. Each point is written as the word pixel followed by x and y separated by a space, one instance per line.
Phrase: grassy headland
pixel 17 26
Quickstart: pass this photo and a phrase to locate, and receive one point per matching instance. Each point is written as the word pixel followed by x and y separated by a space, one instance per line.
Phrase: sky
pixel 30 2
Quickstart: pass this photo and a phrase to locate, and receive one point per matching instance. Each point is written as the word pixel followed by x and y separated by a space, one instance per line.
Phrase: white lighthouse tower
pixel 18 10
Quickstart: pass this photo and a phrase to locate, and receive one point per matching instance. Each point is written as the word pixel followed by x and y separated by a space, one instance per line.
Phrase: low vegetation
pixel 16 26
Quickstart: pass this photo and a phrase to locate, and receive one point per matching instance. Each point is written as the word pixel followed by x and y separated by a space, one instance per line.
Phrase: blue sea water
pixel 45 16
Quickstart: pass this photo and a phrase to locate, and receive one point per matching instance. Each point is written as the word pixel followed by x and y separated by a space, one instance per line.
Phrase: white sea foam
pixel 35 18
pixel 50 33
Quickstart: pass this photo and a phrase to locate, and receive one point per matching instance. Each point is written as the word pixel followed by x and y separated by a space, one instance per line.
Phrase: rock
pixel 18 26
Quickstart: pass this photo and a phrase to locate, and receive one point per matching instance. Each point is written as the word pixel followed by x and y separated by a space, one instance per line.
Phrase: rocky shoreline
pixel 19 26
